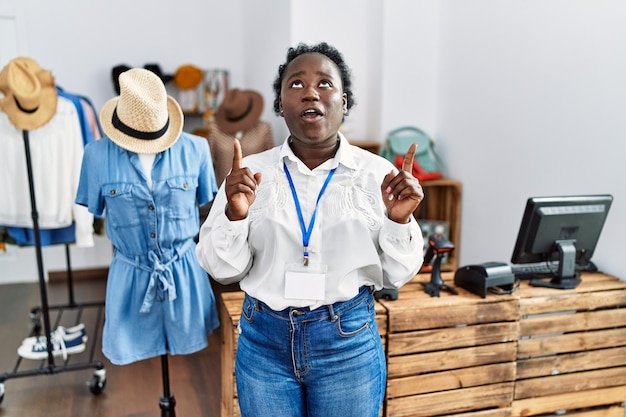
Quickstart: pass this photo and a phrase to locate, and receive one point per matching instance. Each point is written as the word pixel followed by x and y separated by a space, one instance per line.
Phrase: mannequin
pixel 147 159
pixel 149 177
pixel 167 401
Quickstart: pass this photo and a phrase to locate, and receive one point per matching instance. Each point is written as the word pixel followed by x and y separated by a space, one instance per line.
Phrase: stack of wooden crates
pixel 536 352
pixel 450 354
pixel 571 354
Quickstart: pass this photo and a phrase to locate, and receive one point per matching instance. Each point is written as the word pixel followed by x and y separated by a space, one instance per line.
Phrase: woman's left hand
pixel 402 192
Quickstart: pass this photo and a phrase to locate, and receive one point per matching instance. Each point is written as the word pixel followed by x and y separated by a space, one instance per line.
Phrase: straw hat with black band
pixel 143 118
pixel 240 110
pixel 30 95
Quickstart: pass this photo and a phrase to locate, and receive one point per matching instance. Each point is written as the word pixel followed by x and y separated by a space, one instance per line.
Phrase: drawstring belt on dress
pixel 160 274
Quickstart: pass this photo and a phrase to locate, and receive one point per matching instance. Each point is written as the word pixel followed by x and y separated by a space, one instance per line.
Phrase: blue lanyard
pixel 306 232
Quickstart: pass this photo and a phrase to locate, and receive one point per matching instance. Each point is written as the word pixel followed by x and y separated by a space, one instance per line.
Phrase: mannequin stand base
pixel 167 405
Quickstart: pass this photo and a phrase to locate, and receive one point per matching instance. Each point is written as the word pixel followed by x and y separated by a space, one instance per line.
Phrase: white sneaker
pixel 62 345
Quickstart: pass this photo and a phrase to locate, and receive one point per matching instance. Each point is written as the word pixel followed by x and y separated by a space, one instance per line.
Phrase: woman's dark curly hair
pixel 325 49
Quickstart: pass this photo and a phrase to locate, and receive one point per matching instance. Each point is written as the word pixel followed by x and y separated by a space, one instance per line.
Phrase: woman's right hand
pixel 240 187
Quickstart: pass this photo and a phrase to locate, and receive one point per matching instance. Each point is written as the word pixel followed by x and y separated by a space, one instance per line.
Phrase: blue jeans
pixel 300 363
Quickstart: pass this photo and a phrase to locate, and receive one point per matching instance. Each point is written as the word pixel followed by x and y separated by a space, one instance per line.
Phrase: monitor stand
pixel 558 283
pixel 566 278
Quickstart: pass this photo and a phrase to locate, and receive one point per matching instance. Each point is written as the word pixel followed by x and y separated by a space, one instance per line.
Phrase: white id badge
pixel 305 282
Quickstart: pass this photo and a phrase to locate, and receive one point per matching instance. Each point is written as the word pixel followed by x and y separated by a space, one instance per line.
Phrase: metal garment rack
pixel 47 367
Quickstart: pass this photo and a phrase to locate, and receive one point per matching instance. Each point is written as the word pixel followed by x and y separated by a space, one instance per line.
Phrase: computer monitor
pixel 563 229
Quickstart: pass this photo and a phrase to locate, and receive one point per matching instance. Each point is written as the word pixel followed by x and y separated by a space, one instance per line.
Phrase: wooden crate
pixel 368 145
pixel 451 354
pixel 442 201
pixel 571 355
pixel 230 304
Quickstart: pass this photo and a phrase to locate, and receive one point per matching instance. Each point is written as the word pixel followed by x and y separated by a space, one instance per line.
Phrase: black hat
pixel 115 75
pixel 166 78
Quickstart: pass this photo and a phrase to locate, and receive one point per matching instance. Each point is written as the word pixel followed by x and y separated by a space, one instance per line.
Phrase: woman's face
pixel 312 99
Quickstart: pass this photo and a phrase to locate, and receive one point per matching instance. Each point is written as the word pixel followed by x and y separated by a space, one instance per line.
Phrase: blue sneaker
pixel 62 345
pixel 68 331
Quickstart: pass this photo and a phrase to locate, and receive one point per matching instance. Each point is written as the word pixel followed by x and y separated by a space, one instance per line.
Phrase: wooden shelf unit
pixel 442 201
pixel 368 145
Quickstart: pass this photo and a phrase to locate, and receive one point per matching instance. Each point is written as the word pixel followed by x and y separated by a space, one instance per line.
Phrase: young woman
pixel 310 229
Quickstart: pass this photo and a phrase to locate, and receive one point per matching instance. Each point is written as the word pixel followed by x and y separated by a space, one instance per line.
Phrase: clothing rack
pixel 98 381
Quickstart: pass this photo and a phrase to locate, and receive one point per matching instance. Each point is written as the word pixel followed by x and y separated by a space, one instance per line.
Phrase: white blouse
pixel 56 151
pixel 352 234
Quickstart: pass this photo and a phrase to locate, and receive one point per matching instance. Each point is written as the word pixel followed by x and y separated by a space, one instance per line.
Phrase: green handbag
pixel 398 142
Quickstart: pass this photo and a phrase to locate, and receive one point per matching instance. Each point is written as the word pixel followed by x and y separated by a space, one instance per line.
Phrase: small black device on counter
pixel 438 246
pixel 480 278
pixel 387 294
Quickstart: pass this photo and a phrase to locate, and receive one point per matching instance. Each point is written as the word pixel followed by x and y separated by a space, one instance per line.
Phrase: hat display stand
pixel 47 367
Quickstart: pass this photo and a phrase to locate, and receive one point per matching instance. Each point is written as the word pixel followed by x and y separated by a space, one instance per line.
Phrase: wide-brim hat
pixel 240 110
pixel 143 118
pixel 188 76
pixel 30 95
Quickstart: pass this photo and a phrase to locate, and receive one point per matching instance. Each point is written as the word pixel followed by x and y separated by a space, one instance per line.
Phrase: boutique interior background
pixel 523 98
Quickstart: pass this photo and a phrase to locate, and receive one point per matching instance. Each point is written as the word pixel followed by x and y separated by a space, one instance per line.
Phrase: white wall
pixel 531 101
pixel 267 37
pixel 355 28
pixel 81 41
pixel 523 97
pixel 409 64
